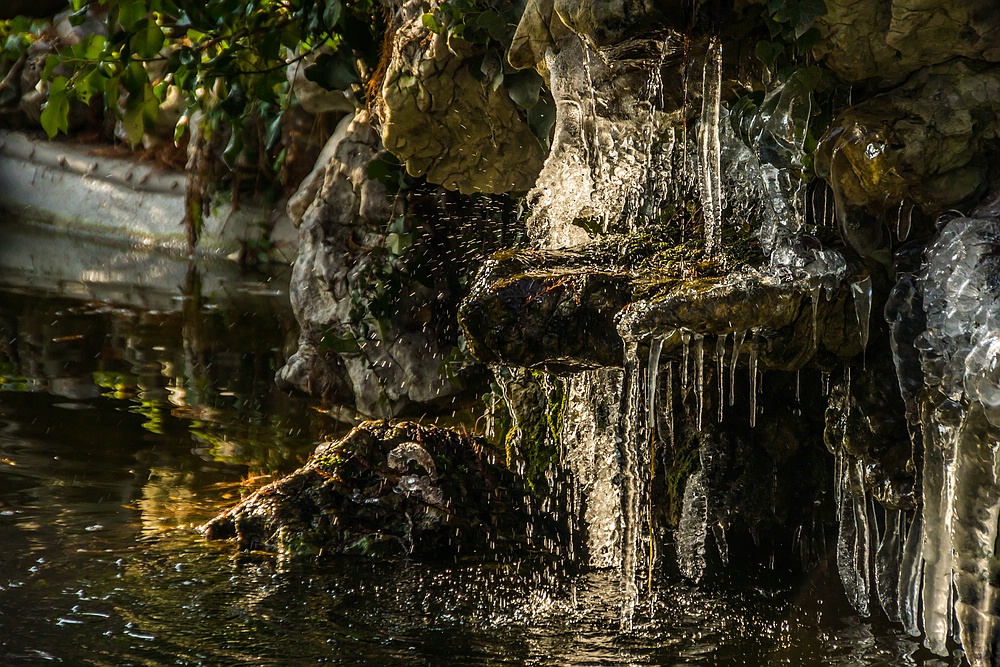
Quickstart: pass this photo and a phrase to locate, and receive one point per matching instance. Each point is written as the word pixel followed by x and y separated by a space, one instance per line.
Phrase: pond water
pixel 137 401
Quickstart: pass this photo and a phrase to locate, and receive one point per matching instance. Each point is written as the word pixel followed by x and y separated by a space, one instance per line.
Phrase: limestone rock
pixel 313 97
pixel 898 160
pixel 340 359
pixel 383 489
pixel 449 126
pixel 886 40
pixel 539 30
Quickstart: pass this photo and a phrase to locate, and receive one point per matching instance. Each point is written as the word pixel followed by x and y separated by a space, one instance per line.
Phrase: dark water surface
pixel 137 400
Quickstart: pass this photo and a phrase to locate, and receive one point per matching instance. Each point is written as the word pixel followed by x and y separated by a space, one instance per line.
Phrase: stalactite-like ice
pixel 636 457
pixel 710 164
pixel 960 284
pixel 853 537
pixel 692 530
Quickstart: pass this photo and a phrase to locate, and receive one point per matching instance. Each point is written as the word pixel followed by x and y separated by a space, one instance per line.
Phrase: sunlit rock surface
pixel 898 160
pixel 386 489
pixel 446 124
pixel 889 39
pixel 338 358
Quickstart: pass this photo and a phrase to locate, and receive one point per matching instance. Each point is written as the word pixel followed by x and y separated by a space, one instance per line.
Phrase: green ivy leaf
pixel 131 12
pixel 274 131
pixel 233 148
pixel 147 40
pixel 342 343
pixel 768 53
pixel 398 243
pixel 541 118
pixel 142 107
pixel 55 114
pixel 334 71
pixel 332 13
pixel 524 88
pixel 809 11
pixel 494 24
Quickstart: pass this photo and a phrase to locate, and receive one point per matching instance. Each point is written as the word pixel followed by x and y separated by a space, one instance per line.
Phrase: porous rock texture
pixel 448 125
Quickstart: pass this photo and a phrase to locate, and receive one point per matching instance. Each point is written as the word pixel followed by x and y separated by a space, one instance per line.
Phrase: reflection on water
pixel 127 420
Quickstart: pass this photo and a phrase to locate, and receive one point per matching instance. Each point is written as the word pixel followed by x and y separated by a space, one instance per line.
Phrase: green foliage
pixel 790 24
pixel 482 22
pixel 389 268
pixel 225 58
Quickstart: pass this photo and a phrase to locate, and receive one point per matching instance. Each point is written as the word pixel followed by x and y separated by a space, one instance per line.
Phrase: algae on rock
pixel 385 489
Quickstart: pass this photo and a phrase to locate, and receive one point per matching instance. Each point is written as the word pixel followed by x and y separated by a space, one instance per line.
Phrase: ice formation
pixel 617 159
pixel 937 570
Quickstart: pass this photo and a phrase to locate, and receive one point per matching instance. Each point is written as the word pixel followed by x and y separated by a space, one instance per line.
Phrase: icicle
pixel 853 551
pixel 692 529
pixel 975 531
pixel 699 375
pixel 738 338
pixel 888 559
pixel 686 353
pixel 670 403
pixel 638 545
pixel 938 509
pixel 752 367
pixel 862 291
pixel 911 571
pixel 652 375
pixel 710 169
pixel 719 533
pixel 720 358
pixel 815 315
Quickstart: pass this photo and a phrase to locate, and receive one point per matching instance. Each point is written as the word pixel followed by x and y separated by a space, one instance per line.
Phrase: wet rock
pixel 866 418
pixel 528 310
pixel 383 489
pixel 787 322
pixel 536 401
pixel 573 309
pixel 898 160
pixel 886 40
pixel 341 358
pixel 446 124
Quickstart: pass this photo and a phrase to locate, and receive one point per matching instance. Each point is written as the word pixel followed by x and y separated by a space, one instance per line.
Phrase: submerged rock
pixel 386 489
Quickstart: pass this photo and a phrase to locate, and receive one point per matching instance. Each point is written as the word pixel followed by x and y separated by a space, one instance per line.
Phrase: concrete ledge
pixel 68 186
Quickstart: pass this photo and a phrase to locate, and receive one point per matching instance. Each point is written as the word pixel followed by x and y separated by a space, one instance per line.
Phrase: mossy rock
pixel 383 489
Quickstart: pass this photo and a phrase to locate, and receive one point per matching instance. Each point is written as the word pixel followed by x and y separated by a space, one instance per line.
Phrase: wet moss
pixel 536 401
